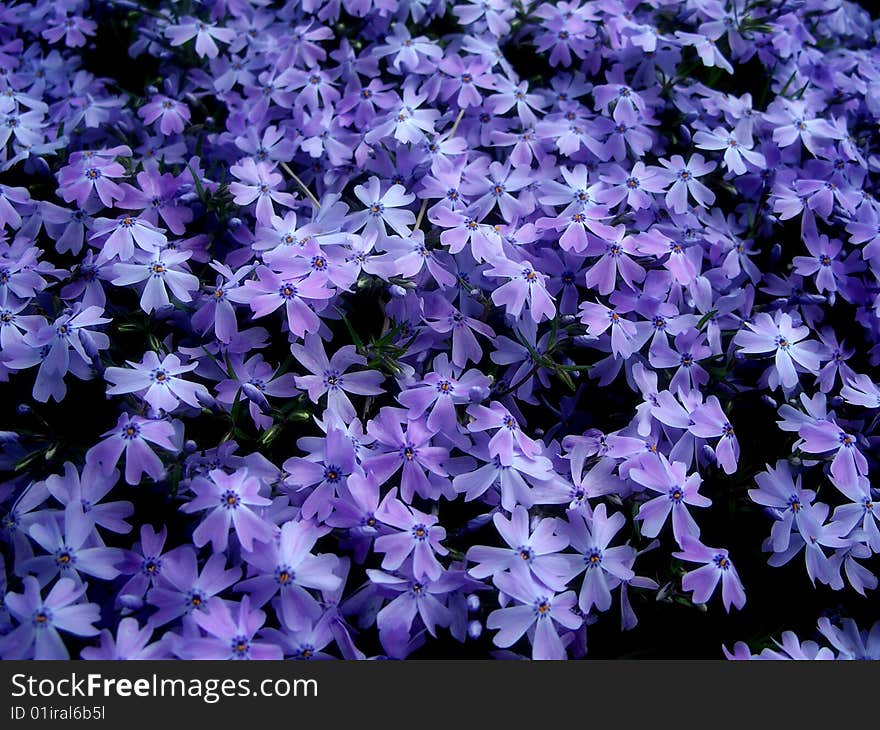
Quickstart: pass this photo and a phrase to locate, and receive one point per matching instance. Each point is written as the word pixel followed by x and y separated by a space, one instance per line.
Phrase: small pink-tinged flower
pixel 257 182
pixel 171 114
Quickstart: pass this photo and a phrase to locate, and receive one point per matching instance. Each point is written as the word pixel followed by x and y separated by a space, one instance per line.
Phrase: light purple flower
pixel 40 620
pixel 717 566
pixel 538 610
pixel 331 376
pixel 417 534
pixel 677 491
pixel 229 499
pixel 157 381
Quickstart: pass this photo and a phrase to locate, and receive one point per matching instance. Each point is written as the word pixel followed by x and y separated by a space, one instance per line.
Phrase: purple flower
pixel 171 114
pixel 88 491
pixel 328 469
pixel 330 377
pixel 605 567
pixel 538 610
pixel 440 390
pixel 229 499
pixel 40 620
pixel 123 236
pixel 410 452
pixel 93 171
pixel 157 381
pixel 255 379
pixel 287 567
pixel 72 330
pixel 72 547
pixel 423 597
pixel 131 643
pixel 825 436
pixel 525 287
pixel 131 436
pixel 183 590
pixel 143 563
pixel 514 480
pixel 161 271
pixel 676 491
pixel 850 642
pixel 786 340
pixel 257 182
pixel 536 549
pixel 418 534
pixel 509 439
pixel 231 633
pixel 716 566
pixel 709 421
pixel 383 209
pixel 683 179
pixel 273 289
pixel 206 35
pixel 860 390
pixel 737 146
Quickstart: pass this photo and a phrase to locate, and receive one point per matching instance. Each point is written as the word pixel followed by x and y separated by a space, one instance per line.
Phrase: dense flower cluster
pixel 356 328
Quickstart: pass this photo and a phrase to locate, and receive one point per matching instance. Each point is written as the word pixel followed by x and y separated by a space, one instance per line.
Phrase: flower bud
pixel 206 400
pixel 685 133
pixel 707 454
pixel 255 396
pixel 768 400
pixel 131 601
pixel 475 630
pixel 473 603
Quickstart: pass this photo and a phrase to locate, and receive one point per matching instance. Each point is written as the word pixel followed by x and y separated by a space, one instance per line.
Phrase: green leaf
pixel 355 338
pixel 271 434
pixel 200 191
pixel 706 317
pixel 565 378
